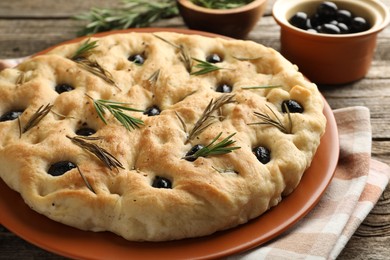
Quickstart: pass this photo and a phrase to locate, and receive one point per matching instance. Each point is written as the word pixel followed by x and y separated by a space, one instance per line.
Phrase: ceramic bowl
pixel 330 58
pixel 236 22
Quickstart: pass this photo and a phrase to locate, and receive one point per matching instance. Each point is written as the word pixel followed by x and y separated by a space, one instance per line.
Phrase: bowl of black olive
pixel 332 42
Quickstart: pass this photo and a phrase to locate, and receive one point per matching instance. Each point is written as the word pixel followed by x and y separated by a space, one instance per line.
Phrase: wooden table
pixel 27 27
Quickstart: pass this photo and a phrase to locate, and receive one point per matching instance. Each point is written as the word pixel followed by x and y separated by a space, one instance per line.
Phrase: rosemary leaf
pixel 60 115
pixel 182 122
pixel 116 109
pixel 262 87
pixel 247 59
pixel 221 4
pixel 204 67
pixel 222 147
pixel 89 186
pixel 184 55
pixel 84 50
pixel 37 117
pixel 154 77
pixel 80 57
pixel 267 120
pixel 97 70
pixel 102 154
pixel 21 78
pixel 132 13
pixel 206 119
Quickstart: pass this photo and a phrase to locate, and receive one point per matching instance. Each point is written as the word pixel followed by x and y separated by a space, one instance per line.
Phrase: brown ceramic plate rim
pixel 74 243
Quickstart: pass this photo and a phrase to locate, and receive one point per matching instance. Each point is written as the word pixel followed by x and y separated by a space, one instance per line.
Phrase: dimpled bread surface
pixel 211 193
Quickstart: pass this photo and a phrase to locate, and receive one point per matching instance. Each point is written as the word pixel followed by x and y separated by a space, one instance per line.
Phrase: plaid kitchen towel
pixel 357 185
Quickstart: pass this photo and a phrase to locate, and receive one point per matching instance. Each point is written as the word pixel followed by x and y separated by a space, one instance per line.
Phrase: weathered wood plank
pixel 49 9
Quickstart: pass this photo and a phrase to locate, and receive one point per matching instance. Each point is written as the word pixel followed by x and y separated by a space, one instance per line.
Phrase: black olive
pixel 292 105
pixel 344 16
pixel 299 20
pixel 224 88
pixel 161 182
pixel 327 10
pixel 330 20
pixel 312 30
pixel 262 154
pixel 343 28
pixel 213 58
pixel 152 111
pixel 59 168
pixel 330 29
pixel 86 131
pixel 60 88
pixel 137 59
pixel 315 21
pixel 359 24
pixel 11 115
pixel 192 151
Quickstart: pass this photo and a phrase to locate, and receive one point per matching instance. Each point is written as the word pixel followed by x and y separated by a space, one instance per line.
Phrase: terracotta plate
pixel 74 243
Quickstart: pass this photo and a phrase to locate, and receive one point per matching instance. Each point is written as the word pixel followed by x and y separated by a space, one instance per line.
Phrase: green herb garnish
pixel 221 4
pixel 184 55
pixel 222 147
pixel 267 120
pixel 204 67
pixel 116 109
pixel 89 186
pixel 132 13
pixel 81 58
pixel 84 49
pixel 247 59
pixel 21 79
pixel 207 116
pixel 36 117
pixel 154 77
pixel 262 87
pixel 102 154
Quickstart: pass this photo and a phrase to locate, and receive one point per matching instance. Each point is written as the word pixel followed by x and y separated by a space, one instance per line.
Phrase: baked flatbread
pixel 159 136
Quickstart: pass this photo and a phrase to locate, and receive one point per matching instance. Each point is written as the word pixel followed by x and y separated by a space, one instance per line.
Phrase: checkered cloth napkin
pixel 357 185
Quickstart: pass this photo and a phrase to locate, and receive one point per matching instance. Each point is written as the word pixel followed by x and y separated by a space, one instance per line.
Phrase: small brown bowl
pixel 236 22
pixel 330 58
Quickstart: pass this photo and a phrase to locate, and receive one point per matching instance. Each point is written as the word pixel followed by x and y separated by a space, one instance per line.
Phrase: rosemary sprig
pixel 37 117
pixel 204 67
pixel 97 70
pixel 61 115
pixel 184 55
pixel 206 119
pixel 89 186
pixel 21 78
pixel 262 87
pixel 132 13
pixel 182 122
pixel 222 147
pixel 154 77
pixel 247 59
pixel 267 120
pixel 116 109
pixel 221 4
pixel 84 49
pixel 81 58
pixel 223 170
pixel 102 154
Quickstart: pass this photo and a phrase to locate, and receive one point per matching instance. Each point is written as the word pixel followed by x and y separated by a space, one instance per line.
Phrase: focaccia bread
pixel 158 136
